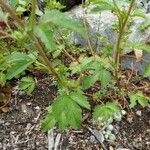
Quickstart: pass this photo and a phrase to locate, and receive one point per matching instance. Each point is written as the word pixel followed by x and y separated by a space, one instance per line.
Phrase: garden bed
pixel 20 126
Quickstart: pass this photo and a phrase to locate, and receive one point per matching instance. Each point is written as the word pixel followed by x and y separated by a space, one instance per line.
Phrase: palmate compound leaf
pixel 66 111
pixel 62 20
pixel 105 111
pixel 138 98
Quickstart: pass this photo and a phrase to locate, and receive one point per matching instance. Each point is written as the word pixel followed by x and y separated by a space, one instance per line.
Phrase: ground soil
pixel 20 126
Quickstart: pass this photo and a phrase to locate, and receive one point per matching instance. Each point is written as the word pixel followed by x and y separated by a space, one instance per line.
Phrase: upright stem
pixel 33 38
pixel 117 50
pixel 86 29
pixel 33 15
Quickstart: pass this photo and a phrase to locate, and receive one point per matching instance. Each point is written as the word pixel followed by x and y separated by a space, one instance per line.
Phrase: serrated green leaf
pixel 102 7
pixel 17 56
pixel 105 78
pixel 139 13
pixel 138 98
pixel 74 115
pixel 46 35
pixel 17 68
pixel 88 81
pixel 80 99
pixel 147 71
pixel 18 63
pixel 144 26
pixel 27 84
pixel 133 100
pixel 139 45
pixel 48 123
pixel 63 20
pixel 105 111
pixel 30 89
pixel 62 121
pixel 66 112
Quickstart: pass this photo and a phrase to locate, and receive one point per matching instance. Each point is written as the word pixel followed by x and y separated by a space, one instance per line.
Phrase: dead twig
pixel 50 139
pixel 95 135
pixel 57 141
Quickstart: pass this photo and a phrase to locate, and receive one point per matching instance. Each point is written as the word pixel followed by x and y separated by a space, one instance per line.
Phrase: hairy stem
pixel 36 41
pixel 122 27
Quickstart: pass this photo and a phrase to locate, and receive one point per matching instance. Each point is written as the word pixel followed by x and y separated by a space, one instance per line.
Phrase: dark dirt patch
pixel 20 127
pixel 136 135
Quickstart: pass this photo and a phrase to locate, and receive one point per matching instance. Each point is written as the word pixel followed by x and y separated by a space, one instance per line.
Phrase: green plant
pixel 40 44
pixel 138 97
pixel 125 11
pixel 27 84
pixel 106 111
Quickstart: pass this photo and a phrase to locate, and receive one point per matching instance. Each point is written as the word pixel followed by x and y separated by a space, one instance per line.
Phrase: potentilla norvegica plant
pixel 39 43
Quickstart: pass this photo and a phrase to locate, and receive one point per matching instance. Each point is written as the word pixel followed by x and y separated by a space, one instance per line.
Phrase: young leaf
pixel 105 111
pixel 27 84
pixel 63 20
pixel 139 13
pixel 138 98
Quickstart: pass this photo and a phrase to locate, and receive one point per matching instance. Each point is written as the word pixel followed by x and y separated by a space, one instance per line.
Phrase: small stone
pixel 112 137
pixel 123 112
pixel 29 103
pixel 108 132
pixel 111 148
pixel 110 127
pixel 93 139
pixel 2 122
pixel 12 132
pixel 130 118
pixel 110 120
pixel 37 107
pixel 118 117
pixel 7 123
pixel 106 136
pixel 28 126
pixel 139 113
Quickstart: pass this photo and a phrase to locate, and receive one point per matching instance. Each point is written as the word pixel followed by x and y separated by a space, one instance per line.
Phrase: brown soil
pixel 20 126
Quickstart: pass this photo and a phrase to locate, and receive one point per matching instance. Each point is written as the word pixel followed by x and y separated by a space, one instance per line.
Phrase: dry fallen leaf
pixel 5 109
pixel 138 54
